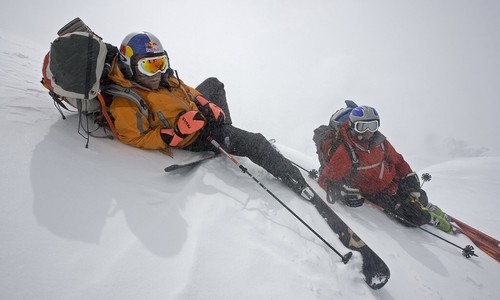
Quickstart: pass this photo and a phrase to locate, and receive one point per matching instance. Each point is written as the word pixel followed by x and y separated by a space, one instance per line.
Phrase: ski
pixel 486 243
pixel 374 269
pixel 189 164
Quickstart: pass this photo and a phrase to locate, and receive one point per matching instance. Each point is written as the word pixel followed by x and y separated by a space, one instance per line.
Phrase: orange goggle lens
pixel 151 65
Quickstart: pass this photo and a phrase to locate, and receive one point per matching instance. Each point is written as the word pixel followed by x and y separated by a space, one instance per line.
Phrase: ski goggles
pixel 364 126
pixel 150 66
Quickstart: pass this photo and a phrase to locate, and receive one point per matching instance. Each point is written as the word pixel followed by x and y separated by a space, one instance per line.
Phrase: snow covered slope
pixel 107 223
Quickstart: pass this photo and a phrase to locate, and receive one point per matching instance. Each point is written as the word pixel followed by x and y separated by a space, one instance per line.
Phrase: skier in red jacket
pixel 366 166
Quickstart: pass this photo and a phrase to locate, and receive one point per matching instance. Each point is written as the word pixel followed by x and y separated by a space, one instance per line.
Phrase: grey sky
pixel 430 67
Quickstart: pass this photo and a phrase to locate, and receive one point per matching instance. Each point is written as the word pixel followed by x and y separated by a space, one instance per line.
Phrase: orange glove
pixel 187 123
pixel 212 112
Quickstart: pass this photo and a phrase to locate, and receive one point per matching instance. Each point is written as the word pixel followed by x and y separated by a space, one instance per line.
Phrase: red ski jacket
pixel 379 169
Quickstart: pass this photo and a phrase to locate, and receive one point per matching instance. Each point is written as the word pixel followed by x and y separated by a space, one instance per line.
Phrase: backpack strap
pixel 104 112
pixel 354 159
pixel 118 91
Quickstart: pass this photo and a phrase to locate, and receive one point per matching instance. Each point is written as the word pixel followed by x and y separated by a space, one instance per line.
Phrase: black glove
pixel 423 198
pixel 212 112
pixel 348 195
pixel 408 184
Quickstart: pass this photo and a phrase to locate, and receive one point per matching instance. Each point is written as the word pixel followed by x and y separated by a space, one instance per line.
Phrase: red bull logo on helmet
pixel 152 47
pixel 138 43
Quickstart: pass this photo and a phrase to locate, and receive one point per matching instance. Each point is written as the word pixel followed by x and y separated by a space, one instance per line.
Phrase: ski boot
pixel 299 186
pixel 440 222
pixel 439 219
pixel 437 211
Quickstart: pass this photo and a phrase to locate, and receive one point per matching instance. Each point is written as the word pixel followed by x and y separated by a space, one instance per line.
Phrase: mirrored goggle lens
pixel 152 65
pixel 364 126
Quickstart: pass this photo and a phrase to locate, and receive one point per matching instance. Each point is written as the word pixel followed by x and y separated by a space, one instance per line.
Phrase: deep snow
pixel 107 223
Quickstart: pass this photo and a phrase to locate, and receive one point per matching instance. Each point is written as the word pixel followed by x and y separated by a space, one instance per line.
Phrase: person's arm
pixel 133 127
pixel 401 165
pixel 338 168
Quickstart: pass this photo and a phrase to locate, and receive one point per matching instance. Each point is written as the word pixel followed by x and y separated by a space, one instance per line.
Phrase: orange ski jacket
pixel 138 130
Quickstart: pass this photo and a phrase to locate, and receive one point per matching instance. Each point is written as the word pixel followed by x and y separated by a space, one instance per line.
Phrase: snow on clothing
pixel 142 131
pixel 378 173
pixel 380 165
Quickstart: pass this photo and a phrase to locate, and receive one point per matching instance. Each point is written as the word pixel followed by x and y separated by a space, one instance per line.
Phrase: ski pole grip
pixel 213 142
pixel 218 146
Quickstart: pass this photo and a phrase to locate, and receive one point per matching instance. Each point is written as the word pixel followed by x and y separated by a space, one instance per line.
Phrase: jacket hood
pixel 116 75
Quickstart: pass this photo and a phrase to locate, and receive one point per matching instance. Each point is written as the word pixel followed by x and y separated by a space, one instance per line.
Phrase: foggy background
pixel 430 68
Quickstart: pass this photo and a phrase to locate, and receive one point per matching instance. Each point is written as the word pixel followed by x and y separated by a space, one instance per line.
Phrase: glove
pixel 187 123
pixel 348 195
pixel 212 112
pixel 351 196
pixel 408 184
pixel 419 198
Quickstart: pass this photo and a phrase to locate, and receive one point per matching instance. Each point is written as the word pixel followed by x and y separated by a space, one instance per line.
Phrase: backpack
pixel 75 72
pixel 327 138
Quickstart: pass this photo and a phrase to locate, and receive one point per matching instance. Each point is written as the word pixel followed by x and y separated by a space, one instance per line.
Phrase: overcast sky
pixel 430 67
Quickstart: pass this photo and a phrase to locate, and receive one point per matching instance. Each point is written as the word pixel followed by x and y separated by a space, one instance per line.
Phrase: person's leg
pixel 414 213
pixel 256 147
pixel 404 211
pixel 213 90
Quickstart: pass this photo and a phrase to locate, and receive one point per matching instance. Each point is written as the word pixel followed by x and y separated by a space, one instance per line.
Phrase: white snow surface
pixel 106 222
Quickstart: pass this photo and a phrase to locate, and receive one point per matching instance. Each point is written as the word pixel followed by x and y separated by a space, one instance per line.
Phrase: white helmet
pixel 364 118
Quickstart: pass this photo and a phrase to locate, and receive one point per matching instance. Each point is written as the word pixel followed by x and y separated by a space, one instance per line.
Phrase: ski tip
pixel 189 165
pixel 179 168
pixel 377 281
pixel 171 168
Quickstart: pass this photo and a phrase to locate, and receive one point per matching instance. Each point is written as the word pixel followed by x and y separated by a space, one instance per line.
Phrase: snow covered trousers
pixel 239 142
pixel 405 209
pixel 213 90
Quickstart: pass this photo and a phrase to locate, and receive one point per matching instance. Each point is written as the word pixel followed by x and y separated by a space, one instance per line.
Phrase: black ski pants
pixel 407 211
pixel 239 142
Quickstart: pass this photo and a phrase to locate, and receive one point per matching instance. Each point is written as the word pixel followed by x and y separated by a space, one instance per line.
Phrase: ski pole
pixel 345 258
pixel 312 173
pixel 467 251
pixel 425 177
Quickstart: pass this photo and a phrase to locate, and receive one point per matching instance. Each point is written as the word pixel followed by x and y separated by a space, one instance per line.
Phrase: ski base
pixel 374 269
pixel 486 243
